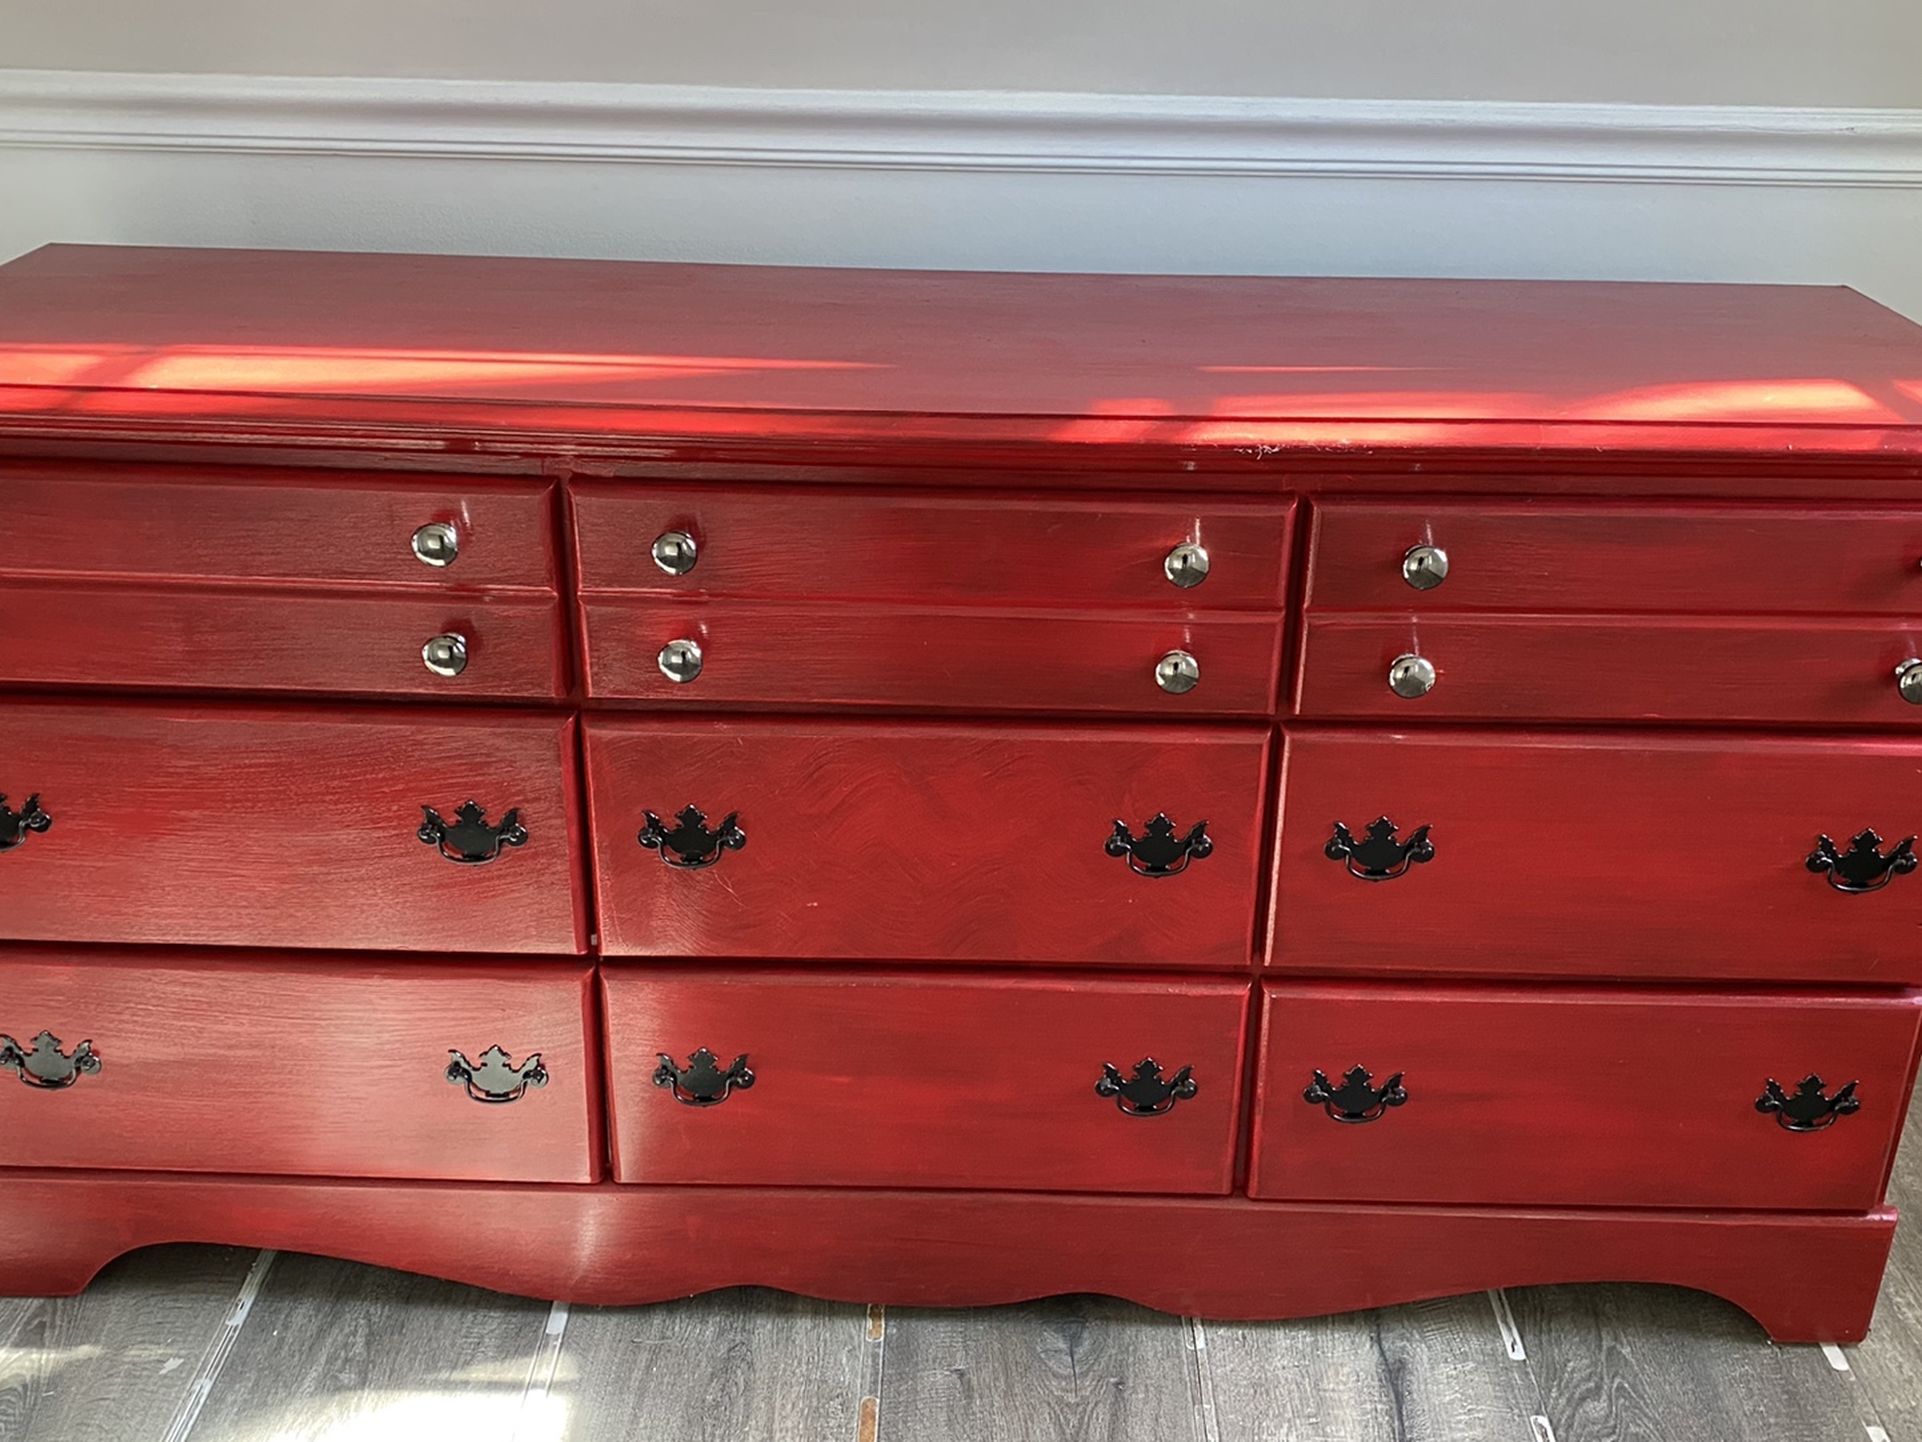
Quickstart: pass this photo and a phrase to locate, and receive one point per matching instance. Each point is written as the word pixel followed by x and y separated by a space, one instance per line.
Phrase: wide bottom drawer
pixel 896 1079
pixel 1579 1096
pixel 353 1069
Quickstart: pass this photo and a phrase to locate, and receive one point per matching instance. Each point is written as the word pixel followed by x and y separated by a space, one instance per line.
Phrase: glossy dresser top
pixel 461 351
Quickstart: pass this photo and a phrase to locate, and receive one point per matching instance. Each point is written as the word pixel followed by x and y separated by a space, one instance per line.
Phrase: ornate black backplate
pixel 689 843
pixel 1863 867
pixel 1357 1099
pixel 702 1082
pixel 1808 1110
pixel 44 1065
pixel 1378 856
pixel 16 826
pixel 1161 849
pixel 469 839
pixel 495 1078
pixel 1145 1093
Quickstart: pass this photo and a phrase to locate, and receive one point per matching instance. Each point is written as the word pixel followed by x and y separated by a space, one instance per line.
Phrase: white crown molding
pixel 961 130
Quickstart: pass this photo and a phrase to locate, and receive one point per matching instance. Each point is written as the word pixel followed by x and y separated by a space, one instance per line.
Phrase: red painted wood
pixel 902 546
pixel 235 638
pixel 796 655
pixel 1580 1097
pixel 287 827
pixel 1731 670
pixel 261 524
pixel 1804 1277
pixel 921 841
pixel 445 349
pixel 1587 853
pixel 261 1064
pixel 878 1078
pixel 1535 557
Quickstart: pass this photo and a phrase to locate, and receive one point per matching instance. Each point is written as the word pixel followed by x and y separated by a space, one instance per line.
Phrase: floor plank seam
pixel 532 1422
pixel 187 1416
pixel 1505 1322
pixel 867 1426
pixel 1202 1370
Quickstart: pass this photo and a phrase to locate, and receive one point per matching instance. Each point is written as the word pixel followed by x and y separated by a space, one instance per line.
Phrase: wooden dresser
pixel 1258 796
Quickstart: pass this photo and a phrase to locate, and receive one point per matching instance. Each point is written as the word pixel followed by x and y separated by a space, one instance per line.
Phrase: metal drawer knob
pixel 703 1082
pixel 1864 867
pixel 690 843
pixel 1378 855
pixel 1908 680
pixel 1177 673
pixel 469 839
pixel 437 543
pixel 44 1065
pixel 675 552
pixel 1144 1092
pixel 1187 565
pixel 1162 849
pixel 1410 676
pixel 1425 567
pixel 1356 1098
pixel 494 1078
pixel 446 655
pixel 16 826
pixel 1807 1110
pixel 680 661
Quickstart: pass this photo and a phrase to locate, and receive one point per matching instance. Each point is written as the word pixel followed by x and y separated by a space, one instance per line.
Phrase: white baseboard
pixel 967 180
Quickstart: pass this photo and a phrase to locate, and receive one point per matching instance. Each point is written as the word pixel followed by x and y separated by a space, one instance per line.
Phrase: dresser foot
pixel 1806 1277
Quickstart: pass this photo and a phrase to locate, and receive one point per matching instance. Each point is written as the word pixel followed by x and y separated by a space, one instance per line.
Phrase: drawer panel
pixel 891 546
pixel 247 639
pixel 926 842
pixel 902 1080
pixel 255 827
pixel 269 1065
pixel 1570 1097
pixel 1758 671
pixel 287 526
pixel 1574 557
pixel 1660 855
pixel 840 655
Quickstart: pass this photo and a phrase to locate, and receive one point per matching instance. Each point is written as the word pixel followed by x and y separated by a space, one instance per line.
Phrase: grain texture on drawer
pixel 288 827
pixel 899 546
pixel 898 1079
pixel 245 638
pixel 801 656
pixel 272 1065
pixel 1662 855
pixel 1755 671
pixel 1578 1097
pixel 925 841
pixel 217 523
pixel 1561 556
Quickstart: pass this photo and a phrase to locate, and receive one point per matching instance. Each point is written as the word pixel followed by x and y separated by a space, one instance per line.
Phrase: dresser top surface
pixel 611 349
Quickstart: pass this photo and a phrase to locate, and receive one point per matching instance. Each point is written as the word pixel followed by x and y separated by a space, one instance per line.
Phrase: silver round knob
pixel 1410 675
pixel 437 543
pixel 446 655
pixel 1425 567
pixel 1177 673
pixel 1908 680
pixel 680 661
pixel 1187 564
pixel 675 552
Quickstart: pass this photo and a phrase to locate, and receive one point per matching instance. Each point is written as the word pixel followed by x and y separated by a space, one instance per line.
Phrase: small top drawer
pixel 886 545
pixel 1603 557
pixel 154 523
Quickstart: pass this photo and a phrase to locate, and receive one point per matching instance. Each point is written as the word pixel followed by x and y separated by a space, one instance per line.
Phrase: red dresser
pixel 1258 796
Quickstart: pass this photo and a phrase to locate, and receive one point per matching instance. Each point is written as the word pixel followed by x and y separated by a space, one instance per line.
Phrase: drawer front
pixel 228 638
pixel 163 523
pixel 926 842
pixel 769 654
pixel 884 546
pixel 254 827
pixel 1757 671
pixel 1559 1097
pixel 1658 856
pixel 264 1065
pixel 1534 557
pixel 900 1080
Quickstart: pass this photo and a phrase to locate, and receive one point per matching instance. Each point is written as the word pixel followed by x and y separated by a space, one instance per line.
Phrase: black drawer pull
pixel 469 840
pixel 1378 856
pixel 703 1082
pixel 1159 850
pixel 495 1079
pixel 1145 1093
pixel 1808 1110
pixel 1357 1098
pixel 689 843
pixel 16 826
pixel 44 1065
pixel 1863 867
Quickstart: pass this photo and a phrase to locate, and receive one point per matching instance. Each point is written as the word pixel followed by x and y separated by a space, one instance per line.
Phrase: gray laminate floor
pixel 224 1345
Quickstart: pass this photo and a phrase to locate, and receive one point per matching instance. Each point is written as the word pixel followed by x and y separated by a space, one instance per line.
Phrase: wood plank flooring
pixel 208 1344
